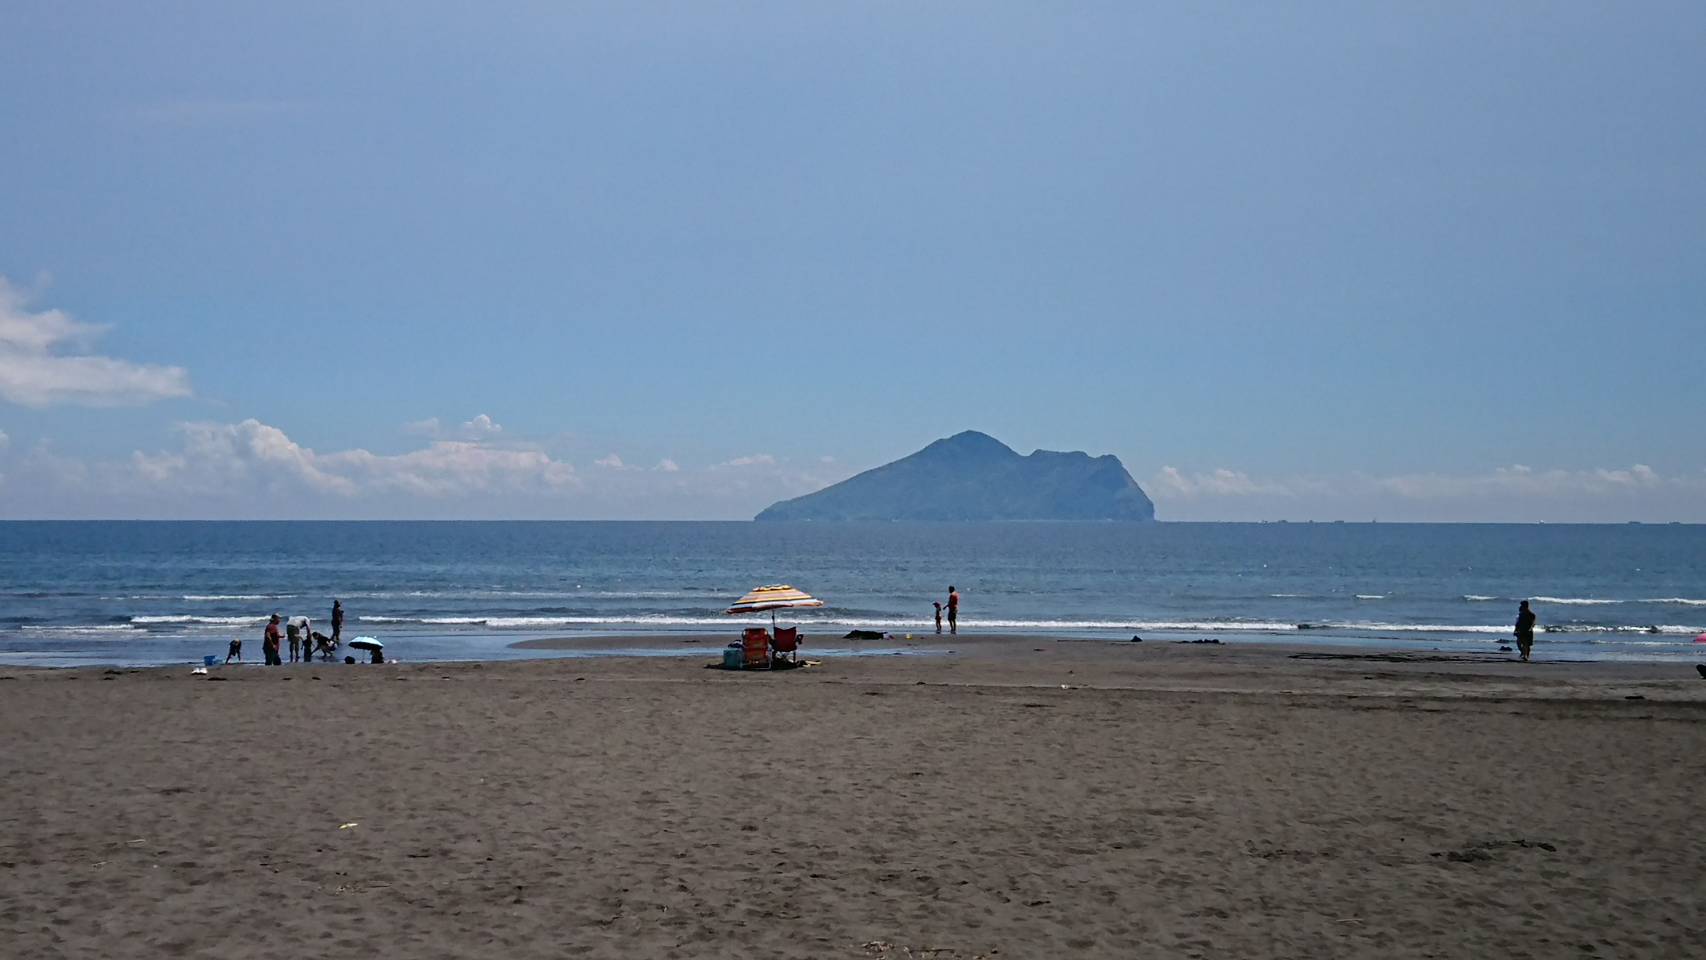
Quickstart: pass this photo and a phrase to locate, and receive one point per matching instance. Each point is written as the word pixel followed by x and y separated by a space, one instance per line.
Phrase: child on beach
pixel 938 604
pixel 301 632
pixel 235 650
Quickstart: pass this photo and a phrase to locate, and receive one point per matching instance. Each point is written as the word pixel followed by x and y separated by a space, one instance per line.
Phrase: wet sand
pixel 1012 798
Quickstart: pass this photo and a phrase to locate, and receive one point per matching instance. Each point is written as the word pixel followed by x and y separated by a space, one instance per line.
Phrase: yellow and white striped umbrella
pixel 777 596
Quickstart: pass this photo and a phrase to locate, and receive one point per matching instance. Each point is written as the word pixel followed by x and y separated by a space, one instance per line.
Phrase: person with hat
pixel 269 643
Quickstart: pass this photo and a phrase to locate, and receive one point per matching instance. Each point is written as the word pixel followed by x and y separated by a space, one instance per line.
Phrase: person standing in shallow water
pixel 1524 630
pixel 269 643
pixel 337 623
pixel 953 609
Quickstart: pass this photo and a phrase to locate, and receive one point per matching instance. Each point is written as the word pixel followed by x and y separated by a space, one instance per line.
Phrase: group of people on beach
pixel 298 632
pixel 304 643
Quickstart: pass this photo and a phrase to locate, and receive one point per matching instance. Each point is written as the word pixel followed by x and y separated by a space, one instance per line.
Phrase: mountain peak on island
pixel 968 446
pixel 973 476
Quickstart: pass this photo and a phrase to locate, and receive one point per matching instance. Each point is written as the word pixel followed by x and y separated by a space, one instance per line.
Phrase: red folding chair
pixel 755 641
pixel 787 642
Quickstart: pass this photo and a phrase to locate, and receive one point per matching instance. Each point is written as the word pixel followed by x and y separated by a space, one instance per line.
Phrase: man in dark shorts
pixel 337 623
pixel 1524 630
pixel 953 609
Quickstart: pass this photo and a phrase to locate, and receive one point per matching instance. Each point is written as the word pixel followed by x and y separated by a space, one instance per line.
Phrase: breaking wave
pixel 210 621
pixel 76 628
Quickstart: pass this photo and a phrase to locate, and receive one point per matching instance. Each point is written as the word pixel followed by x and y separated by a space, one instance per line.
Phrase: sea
pixel 148 593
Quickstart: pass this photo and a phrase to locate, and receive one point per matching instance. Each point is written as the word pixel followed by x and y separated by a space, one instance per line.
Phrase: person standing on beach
pixel 269 643
pixel 953 609
pixel 938 604
pixel 337 623
pixel 1524 630
pixel 300 629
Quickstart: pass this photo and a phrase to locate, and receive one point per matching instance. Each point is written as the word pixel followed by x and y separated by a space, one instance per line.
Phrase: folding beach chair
pixel 755 641
pixel 787 643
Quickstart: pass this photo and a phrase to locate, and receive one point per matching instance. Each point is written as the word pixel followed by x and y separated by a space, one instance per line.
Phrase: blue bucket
pixel 208 661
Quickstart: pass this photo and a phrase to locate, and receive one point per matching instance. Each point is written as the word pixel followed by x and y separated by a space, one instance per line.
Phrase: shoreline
pixel 995 660
pixel 465 644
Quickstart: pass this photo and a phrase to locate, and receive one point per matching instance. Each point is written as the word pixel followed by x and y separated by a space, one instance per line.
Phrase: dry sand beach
pixel 1013 798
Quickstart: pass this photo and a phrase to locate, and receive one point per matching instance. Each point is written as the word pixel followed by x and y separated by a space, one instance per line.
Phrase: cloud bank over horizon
pixel 1516 493
pixel 249 469
pixel 253 470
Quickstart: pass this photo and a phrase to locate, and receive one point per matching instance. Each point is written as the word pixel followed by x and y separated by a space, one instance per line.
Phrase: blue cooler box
pixel 733 658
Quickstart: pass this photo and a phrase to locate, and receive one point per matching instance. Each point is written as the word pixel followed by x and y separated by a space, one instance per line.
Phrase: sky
pixel 1405 261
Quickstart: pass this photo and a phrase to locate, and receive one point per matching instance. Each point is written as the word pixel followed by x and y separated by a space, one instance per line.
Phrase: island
pixel 972 476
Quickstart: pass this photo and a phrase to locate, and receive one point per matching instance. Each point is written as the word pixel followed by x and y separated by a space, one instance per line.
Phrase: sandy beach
pixel 1010 798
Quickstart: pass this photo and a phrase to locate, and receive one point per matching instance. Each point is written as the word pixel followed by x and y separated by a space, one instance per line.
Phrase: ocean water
pixel 146 593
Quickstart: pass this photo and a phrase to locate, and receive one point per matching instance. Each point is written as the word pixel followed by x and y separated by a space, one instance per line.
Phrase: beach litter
pixel 199 671
pixel 346 826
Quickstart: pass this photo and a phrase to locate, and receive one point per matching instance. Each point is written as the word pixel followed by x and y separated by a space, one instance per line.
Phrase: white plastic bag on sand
pixel 199 671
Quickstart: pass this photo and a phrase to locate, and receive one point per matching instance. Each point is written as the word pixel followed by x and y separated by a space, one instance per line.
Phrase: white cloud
pixel 219 456
pixel 1511 493
pixel 1526 481
pixel 36 370
pixel 252 455
pixel 448 468
pixel 609 461
pixel 251 469
pixel 756 460
pixel 1172 483
pixel 481 427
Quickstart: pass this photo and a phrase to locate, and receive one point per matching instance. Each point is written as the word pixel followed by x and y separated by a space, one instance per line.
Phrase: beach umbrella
pixel 777 596
pixel 366 643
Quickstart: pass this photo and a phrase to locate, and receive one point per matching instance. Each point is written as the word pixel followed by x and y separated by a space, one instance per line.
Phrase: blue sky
pixel 1286 260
